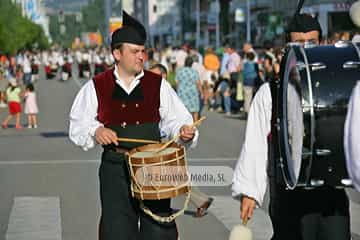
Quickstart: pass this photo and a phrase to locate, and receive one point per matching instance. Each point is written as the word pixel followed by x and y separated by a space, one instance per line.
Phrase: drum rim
pixel 156 158
pixel 282 121
pixel 291 182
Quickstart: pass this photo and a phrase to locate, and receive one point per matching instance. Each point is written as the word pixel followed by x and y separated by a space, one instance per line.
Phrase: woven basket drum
pixel 161 175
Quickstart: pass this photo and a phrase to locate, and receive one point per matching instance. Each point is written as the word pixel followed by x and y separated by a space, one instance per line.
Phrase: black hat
pixel 303 22
pixel 132 31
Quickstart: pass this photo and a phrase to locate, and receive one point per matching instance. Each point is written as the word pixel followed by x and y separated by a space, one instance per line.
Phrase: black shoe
pixel 201 211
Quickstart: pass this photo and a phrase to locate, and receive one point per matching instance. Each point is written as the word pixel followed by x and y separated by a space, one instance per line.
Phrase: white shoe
pixel 29 126
pixel 35 126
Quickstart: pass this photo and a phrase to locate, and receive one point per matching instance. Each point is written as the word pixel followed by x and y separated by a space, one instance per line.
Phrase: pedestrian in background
pixel 203 76
pixel 211 62
pixel 26 66
pixel 250 75
pixel 189 87
pixel 31 107
pixel 13 93
pixel 212 66
pixel 223 93
pixel 159 69
pixel 233 66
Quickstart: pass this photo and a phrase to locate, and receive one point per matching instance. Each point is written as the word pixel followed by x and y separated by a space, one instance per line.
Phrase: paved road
pixel 49 187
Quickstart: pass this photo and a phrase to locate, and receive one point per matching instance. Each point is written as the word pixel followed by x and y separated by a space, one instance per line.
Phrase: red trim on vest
pixel 117 112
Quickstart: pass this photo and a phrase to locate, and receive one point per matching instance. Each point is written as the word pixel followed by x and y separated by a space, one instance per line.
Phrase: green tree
pixel 71 26
pixel 20 32
pixel 92 21
pixel 93 17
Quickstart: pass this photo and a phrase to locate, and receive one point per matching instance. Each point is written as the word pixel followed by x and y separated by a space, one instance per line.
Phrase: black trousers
pixel 121 217
pixel 319 214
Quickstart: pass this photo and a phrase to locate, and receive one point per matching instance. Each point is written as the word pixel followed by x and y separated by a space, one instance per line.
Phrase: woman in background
pixel 189 87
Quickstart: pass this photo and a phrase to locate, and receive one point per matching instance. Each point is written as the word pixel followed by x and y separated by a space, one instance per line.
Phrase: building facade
pixel 164 22
pixel 128 6
pixel 36 12
pixel 177 21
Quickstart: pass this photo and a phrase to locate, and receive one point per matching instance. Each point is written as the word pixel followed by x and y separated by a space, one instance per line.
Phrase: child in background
pixel 31 108
pixel 13 98
pixel 223 92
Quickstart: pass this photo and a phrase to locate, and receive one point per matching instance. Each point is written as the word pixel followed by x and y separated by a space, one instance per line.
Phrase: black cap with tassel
pixel 303 22
pixel 132 31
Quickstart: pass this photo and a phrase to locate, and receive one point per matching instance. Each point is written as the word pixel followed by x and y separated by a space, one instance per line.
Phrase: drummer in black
pixel 318 214
pixel 129 102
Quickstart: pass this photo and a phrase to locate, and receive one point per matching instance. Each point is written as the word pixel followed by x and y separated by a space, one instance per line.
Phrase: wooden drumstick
pixel 196 123
pixel 136 140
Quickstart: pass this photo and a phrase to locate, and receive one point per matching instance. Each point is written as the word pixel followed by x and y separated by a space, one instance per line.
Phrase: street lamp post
pixel 217 10
pixel 107 7
pixel 197 24
pixel 248 23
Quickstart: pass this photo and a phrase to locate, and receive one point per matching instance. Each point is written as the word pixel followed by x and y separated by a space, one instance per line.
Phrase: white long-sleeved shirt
pixel 352 137
pixel 83 115
pixel 250 174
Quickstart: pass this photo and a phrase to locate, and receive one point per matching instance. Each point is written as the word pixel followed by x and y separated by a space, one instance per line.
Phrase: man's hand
pixel 247 208
pixel 187 133
pixel 105 136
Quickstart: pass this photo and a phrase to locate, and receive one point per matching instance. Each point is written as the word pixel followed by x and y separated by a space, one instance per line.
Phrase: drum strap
pixel 169 218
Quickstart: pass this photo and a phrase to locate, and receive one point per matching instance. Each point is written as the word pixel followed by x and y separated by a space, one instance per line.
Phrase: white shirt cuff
pixel 94 127
pixel 238 192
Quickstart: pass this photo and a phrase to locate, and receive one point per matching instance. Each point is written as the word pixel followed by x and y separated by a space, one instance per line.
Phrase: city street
pixel 49 187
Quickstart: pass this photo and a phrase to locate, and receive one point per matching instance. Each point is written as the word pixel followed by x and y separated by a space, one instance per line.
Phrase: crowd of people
pixel 19 75
pixel 223 79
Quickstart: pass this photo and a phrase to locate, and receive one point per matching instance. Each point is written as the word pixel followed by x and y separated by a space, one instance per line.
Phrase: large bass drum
pixel 313 93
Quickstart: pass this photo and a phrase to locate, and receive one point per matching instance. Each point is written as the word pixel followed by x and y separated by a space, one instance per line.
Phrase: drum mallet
pixel 241 232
